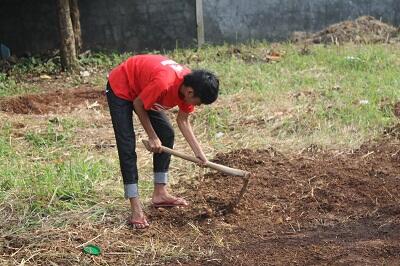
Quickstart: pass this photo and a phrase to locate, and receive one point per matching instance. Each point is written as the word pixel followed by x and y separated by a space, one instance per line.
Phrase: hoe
pixel 222 168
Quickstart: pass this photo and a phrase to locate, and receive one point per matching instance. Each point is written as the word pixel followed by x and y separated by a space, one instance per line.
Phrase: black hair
pixel 205 85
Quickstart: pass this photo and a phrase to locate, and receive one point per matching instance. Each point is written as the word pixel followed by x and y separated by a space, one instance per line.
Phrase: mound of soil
pixel 58 101
pixel 308 208
pixel 365 29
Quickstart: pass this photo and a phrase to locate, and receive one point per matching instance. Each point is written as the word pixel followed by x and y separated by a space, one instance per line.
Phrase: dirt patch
pixel 306 209
pixel 309 208
pixel 363 30
pixel 59 101
pixel 251 57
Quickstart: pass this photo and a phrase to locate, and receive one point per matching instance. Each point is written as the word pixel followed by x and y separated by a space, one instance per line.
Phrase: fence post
pixel 200 23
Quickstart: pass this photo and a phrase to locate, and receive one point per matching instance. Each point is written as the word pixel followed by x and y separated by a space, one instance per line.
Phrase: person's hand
pixel 203 159
pixel 155 145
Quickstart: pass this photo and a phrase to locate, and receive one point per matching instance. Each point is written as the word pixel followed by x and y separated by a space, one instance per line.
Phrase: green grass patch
pixel 49 176
pixel 9 86
pixel 102 60
pixel 350 85
pixel 57 133
pixel 36 65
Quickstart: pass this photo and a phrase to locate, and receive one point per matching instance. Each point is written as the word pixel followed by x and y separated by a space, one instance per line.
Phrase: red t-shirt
pixel 155 79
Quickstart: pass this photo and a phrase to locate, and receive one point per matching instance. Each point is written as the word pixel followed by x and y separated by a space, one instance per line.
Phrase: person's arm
pixel 154 141
pixel 185 127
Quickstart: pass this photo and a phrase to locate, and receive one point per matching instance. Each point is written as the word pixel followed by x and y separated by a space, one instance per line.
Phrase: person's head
pixel 200 87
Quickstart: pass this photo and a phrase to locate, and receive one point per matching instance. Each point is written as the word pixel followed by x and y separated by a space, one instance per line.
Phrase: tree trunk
pixel 68 53
pixel 76 24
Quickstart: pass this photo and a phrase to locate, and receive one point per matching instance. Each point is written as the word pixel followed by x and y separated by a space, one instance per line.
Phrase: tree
pixel 76 24
pixel 69 25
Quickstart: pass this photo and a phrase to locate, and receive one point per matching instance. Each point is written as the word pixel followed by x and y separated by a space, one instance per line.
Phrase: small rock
pixel 54 120
pixel 352 58
pixel 44 76
pixel 93 105
pixel 219 134
pixel 85 73
pixel 208 211
pixel 161 209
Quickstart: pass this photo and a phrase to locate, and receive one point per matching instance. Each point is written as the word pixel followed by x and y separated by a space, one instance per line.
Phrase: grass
pixel 335 97
pixel 9 87
pixel 339 88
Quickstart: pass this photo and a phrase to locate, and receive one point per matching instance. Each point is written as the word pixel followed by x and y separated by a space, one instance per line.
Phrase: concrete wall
pixel 128 25
pixel 241 20
pixel 123 25
pixel 135 25
pixel 28 25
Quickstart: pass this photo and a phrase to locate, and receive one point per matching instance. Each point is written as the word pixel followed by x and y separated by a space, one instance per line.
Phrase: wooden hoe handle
pixel 215 166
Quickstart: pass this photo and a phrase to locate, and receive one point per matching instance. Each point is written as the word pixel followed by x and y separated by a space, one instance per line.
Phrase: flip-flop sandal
pixel 170 203
pixel 136 223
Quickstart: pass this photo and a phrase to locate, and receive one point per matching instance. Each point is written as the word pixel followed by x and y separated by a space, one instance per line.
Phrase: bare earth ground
pixel 58 101
pixel 310 207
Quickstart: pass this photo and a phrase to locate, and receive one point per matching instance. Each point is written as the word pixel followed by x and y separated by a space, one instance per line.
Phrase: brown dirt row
pixel 59 101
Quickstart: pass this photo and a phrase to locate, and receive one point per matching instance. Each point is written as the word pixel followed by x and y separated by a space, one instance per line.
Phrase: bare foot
pixel 161 198
pixel 168 200
pixel 138 220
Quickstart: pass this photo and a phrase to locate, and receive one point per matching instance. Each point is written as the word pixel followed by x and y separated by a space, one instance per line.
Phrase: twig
pixel 35 254
pixel 390 194
pixel 394 154
pixel 117 253
pixel 368 154
pixel 12 255
pixel 52 197
pixel 81 245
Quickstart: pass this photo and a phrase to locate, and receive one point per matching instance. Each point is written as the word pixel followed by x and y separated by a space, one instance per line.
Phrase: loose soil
pixel 363 30
pixel 59 101
pixel 310 208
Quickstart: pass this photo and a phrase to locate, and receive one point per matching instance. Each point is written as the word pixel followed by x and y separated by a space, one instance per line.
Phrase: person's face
pixel 188 97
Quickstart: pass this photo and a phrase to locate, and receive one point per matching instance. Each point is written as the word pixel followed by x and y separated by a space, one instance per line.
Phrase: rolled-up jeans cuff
pixel 161 177
pixel 131 191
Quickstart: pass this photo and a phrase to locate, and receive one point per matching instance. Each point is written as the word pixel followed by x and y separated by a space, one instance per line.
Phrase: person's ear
pixel 190 92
